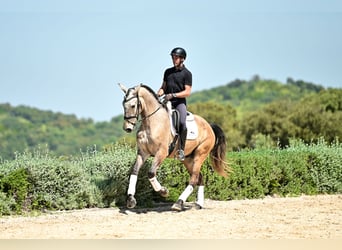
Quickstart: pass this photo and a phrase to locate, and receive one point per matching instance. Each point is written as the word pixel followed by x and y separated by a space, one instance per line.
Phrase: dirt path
pixel 310 217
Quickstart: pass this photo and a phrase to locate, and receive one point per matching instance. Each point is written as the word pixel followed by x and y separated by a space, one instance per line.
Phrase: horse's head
pixel 132 107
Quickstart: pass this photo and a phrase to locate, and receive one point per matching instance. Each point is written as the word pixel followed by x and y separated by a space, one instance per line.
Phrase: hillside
pixel 24 127
pixel 253 94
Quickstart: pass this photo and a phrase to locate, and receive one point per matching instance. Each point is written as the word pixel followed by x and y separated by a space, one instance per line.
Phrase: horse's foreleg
pixel 131 201
pixel 152 176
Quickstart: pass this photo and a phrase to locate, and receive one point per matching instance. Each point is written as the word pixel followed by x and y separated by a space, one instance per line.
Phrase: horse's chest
pixel 143 137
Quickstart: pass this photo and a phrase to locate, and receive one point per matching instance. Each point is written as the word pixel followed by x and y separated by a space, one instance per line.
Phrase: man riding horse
pixel 154 136
pixel 177 83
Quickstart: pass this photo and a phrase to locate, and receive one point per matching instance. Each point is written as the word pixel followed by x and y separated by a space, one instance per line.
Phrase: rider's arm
pixel 185 93
pixel 161 90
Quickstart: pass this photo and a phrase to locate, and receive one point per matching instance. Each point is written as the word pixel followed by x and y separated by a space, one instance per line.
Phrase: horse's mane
pixel 151 91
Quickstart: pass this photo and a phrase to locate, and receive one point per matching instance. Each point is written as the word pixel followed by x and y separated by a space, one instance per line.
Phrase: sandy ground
pixel 305 217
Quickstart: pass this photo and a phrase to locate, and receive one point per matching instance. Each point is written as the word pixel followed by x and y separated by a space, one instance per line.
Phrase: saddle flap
pixel 175 119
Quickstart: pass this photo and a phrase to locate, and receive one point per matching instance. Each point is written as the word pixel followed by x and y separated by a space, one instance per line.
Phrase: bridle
pixel 136 116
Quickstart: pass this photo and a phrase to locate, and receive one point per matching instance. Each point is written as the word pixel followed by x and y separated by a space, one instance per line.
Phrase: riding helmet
pixel 178 52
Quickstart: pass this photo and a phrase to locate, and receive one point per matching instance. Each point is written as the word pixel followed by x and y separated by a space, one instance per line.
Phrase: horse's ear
pixel 138 86
pixel 123 88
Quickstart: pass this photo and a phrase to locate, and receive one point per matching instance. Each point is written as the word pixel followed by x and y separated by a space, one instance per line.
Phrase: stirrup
pixel 181 155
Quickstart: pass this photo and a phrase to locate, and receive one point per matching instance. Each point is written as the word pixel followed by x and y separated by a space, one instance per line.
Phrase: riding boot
pixel 182 139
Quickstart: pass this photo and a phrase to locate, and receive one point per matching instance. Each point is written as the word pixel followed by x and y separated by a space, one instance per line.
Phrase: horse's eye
pixel 132 106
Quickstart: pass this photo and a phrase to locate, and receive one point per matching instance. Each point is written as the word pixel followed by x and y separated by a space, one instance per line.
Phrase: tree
pixel 272 120
pixel 319 116
pixel 223 115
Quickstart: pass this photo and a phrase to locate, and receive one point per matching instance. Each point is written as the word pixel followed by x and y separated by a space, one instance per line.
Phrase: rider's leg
pixel 182 130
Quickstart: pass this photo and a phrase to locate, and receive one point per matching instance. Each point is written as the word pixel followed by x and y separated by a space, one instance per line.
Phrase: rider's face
pixel 177 60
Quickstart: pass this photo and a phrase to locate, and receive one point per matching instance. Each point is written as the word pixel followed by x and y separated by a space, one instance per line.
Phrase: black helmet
pixel 178 52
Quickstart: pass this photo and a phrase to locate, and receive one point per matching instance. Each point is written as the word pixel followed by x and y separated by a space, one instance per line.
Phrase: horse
pixel 154 137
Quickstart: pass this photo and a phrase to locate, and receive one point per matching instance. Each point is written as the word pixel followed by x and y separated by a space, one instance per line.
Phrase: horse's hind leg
pixel 200 192
pixel 178 206
pixel 193 166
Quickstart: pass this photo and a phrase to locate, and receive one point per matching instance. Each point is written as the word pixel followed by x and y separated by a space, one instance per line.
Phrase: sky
pixel 68 55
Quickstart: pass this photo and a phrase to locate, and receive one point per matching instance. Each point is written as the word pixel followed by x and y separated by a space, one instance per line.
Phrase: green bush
pixel 7 204
pixel 173 175
pixel 16 187
pixel 298 169
pixel 46 182
pixel 109 171
pixel 324 164
pixel 38 181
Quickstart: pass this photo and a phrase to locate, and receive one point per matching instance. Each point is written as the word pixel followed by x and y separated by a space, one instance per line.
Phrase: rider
pixel 177 83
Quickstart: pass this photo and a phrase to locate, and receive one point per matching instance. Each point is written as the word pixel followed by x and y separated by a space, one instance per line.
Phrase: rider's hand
pixel 168 97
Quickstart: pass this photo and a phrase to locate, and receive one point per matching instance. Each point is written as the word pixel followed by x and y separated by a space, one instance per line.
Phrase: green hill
pixel 24 127
pixel 235 106
pixel 253 94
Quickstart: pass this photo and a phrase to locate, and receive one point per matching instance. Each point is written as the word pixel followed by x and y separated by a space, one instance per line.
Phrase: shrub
pixel 7 204
pixel 324 163
pixel 109 171
pixel 46 182
pixel 37 181
pixel 173 175
pixel 16 187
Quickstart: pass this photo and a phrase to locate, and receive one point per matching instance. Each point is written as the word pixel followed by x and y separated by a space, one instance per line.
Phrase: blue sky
pixel 68 55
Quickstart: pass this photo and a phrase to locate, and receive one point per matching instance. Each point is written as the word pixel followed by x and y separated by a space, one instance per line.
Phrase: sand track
pixel 305 217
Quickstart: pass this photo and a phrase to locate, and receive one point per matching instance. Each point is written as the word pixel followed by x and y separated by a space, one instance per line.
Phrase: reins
pixel 143 118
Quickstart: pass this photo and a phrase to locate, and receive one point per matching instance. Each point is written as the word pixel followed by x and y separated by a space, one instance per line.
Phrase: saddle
pixel 190 124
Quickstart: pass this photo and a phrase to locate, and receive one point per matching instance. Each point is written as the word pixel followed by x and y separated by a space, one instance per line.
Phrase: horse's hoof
pixel 164 192
pixel 131 201
pixel 198 206
pixel 178 206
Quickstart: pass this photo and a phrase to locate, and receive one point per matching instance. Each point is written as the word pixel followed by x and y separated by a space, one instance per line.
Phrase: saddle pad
pixel 191 125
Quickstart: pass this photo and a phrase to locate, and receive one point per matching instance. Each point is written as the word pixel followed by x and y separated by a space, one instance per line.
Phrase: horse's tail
pixel 218 153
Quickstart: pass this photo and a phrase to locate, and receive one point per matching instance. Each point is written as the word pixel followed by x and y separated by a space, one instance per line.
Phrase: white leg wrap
pixel 155 184
pixel 132 184
pixel 200 196
pixel 186 193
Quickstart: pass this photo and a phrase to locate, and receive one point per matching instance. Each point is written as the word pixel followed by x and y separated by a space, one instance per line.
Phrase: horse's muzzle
pixel 128 126
pixel 128 130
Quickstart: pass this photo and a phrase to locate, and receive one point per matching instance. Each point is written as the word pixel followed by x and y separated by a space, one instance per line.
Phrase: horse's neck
pixel 153 109
pixel 149 106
